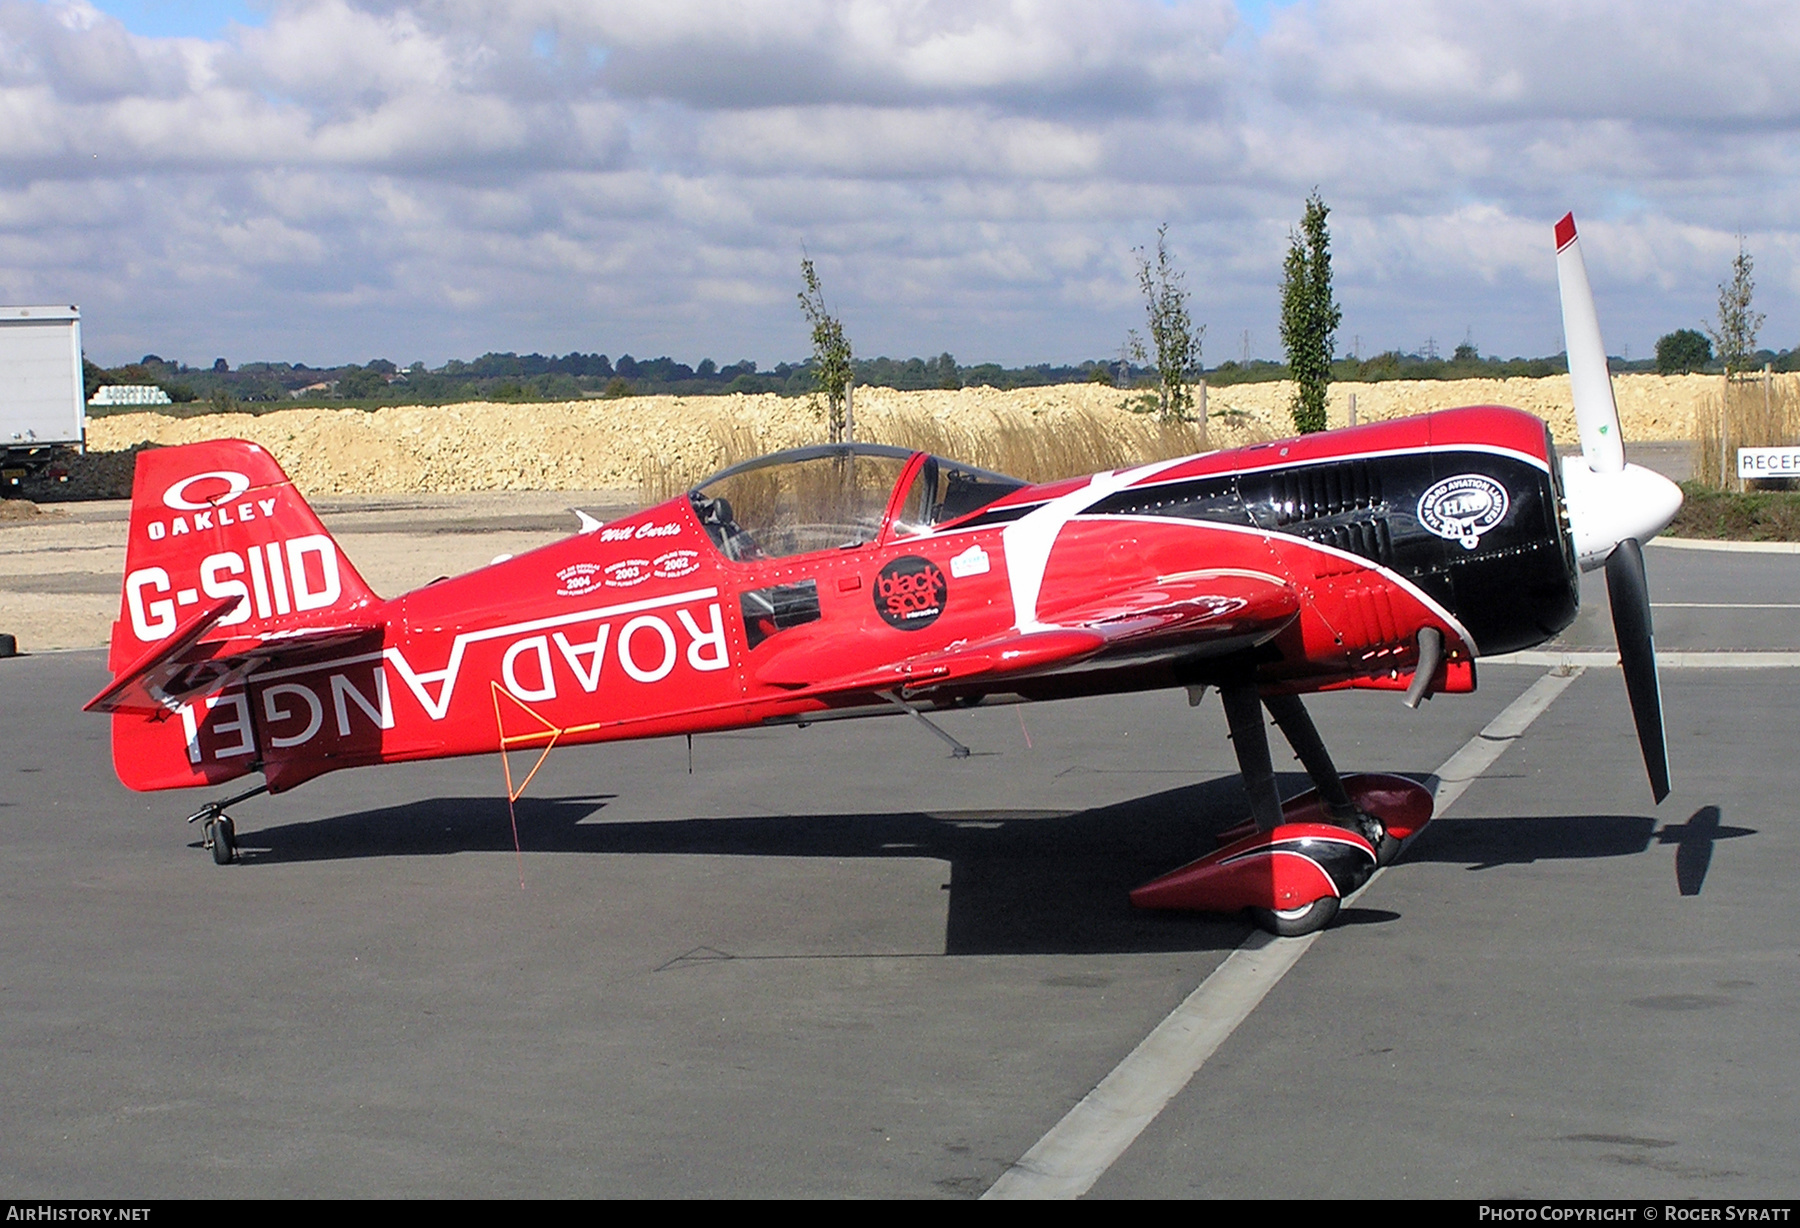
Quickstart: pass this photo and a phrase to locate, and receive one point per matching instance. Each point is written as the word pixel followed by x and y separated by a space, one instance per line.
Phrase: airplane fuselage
pixel 647 626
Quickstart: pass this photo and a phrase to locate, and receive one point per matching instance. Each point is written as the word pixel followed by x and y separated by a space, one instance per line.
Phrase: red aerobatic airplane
pixel 853 580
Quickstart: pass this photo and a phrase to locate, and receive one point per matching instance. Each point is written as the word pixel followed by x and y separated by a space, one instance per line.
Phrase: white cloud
pixel 1025 53
pixel 1653 61
pixel 439 177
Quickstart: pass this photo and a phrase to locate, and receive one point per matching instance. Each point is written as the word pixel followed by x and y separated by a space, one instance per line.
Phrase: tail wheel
pixel 1297 922
pixel 224 840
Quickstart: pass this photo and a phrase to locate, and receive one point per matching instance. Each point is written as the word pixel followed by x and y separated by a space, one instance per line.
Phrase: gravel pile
pixel 630 443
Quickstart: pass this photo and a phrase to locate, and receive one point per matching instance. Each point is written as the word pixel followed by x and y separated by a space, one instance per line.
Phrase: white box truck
pixel 43 414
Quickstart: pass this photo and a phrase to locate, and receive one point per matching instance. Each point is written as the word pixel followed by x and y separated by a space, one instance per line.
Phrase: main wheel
pixel 1386 849
pixel 1296 922
pixel 224 840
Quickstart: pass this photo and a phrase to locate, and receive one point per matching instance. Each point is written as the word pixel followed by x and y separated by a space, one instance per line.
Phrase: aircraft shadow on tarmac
pixel 1020 882
pixel 1483 844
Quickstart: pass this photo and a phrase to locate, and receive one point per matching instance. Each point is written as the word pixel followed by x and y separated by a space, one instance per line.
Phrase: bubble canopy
pixel 833 496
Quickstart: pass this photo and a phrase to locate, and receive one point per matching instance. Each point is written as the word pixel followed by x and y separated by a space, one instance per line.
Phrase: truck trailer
pixel 43 412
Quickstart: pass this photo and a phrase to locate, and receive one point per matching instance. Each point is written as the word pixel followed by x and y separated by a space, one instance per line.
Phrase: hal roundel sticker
pixel 909 592
pixel 1464 507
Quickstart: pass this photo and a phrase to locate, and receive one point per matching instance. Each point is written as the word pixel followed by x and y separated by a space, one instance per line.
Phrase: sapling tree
pixel 831 350
pixel 1309 317
pixel 1173 337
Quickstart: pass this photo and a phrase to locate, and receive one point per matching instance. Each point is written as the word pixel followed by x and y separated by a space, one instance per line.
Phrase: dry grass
pixel 1038 448
pixel 733 441
pixel 1755 413
pixel 1044 449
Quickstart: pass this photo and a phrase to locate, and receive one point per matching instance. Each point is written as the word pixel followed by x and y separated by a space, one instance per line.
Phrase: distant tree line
pixel 258 386
pixel 494 376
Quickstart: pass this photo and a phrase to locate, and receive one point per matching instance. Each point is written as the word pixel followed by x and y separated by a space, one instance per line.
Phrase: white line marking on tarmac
pixel 1664 660
pixel 1078 1150
pixel 1066 1162
pixel 1725 605
pixel 1701 543
pixel 1479 752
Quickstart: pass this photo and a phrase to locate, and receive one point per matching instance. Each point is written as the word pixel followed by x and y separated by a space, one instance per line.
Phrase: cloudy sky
pixel 335 180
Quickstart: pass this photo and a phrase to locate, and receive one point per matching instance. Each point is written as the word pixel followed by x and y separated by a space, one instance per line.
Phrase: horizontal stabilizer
pixel 165 674
pixel 189 664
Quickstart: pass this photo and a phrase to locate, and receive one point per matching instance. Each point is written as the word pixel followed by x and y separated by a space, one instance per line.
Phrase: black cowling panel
pixel 1508 575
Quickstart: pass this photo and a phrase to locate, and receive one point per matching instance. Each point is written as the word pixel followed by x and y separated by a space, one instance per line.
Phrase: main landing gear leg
pixel 1292 869
pixel 1236 878
pixel 1290 714
pixel 1250 739
pixel 218 832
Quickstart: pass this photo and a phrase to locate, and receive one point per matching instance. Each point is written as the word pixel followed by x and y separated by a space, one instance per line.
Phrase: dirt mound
pixel 634 442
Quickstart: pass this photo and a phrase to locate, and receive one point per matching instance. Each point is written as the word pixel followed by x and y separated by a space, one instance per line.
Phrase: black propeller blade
pixel 1629 593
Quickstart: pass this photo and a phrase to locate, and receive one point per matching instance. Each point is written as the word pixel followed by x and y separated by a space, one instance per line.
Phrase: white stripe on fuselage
pixel 1281 462
pixel 417 682
pixel 1027 541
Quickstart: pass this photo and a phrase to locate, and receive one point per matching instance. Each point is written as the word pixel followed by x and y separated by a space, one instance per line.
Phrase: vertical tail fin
pixel 226 569
pixel 217 520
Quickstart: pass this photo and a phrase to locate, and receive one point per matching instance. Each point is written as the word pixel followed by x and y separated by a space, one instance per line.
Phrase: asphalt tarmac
pixel 834 961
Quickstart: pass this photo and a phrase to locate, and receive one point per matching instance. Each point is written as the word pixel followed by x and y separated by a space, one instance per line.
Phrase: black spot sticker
pixel 909 593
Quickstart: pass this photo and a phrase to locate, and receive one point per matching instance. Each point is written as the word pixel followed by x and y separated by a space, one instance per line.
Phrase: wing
pixel 1196 614
pixel 1209 611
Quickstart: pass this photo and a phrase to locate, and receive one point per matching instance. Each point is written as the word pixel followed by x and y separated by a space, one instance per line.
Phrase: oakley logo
pixel 178 495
